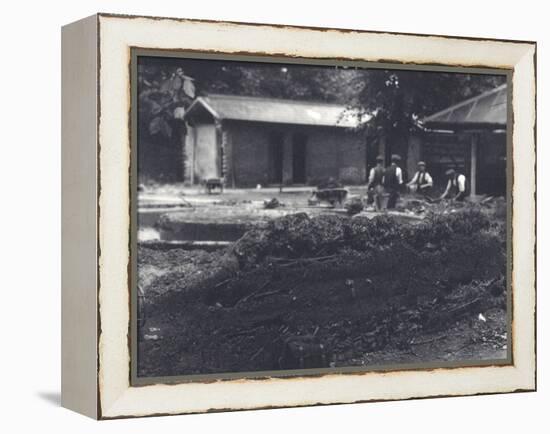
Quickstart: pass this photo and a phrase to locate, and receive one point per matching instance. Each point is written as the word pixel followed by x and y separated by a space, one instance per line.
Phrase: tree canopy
pixel 397 99
pixel 394 99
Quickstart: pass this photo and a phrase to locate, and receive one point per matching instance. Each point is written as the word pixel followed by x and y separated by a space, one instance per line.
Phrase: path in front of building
pixel 177 194
pixel 176 199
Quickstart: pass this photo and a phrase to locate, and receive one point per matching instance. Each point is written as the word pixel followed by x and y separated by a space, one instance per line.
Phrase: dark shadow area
pixel 52 398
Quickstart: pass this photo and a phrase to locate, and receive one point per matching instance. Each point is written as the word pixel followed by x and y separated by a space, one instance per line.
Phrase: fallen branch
pixel 251 295
pixel 267 294
pixel 223 282
pixel 462 307
pixel 301 262
pixel 257 353
pixel 245 332
pixel 428 341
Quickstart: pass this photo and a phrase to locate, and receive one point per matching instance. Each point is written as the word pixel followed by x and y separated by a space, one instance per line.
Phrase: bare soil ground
pixel 329 291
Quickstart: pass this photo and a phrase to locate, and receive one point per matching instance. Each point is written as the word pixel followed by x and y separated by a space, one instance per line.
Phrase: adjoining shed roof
pixel 488 110
pixel 272 110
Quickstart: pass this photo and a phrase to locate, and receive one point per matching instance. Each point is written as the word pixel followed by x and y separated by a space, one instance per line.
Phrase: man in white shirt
pixel 422 182
pixel 456 186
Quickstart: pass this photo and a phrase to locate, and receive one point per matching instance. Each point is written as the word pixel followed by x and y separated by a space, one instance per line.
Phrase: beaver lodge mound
pixel 328 291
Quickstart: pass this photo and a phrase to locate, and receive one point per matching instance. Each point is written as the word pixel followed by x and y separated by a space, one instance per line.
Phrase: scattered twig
pixel 187 203
pixel 411 352
pixel 303 262
pixel 251 295
pixel 428 341
pixel 468 343
pixel 223 282
pixel 257 353
pixel 268 293
pixel 312 259
pixel 244 299
pixel 244 332
pixel 463 306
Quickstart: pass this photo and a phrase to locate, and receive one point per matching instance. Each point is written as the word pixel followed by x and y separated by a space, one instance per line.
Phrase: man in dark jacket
pixel 375 189
pixel 393 179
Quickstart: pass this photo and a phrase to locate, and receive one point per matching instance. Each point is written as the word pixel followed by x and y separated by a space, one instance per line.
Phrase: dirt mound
pixel 293 236
pixel 314 292
pixel 164 273
pixel 298 235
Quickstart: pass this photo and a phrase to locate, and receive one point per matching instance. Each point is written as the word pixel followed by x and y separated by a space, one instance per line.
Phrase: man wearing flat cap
pixel 393 179
pixel 422 182
pixel 375 189
pixel 456 186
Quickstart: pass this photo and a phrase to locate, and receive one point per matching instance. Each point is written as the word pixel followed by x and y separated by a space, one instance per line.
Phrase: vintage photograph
pixel 296 217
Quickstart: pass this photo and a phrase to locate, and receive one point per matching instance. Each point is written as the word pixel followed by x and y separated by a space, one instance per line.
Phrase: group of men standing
pixel 389 181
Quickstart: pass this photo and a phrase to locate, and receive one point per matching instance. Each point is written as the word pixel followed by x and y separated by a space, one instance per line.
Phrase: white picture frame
pixel 96 215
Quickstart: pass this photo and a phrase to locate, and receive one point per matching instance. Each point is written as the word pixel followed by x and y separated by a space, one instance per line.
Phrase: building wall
pixel 206 164
pixel 442 151
pixel 248 154
pixel 352 160
pixel 491 164
pixel 330 152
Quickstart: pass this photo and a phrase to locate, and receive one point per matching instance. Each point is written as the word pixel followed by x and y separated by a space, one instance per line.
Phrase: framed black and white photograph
pixel 287 216
pixel 305 218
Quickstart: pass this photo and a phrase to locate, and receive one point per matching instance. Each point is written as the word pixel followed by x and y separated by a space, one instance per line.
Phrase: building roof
pixel 273 110
pixel 488 110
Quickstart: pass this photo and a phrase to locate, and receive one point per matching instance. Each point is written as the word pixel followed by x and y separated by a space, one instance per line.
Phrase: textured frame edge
pixel 79 323
pixel 122 400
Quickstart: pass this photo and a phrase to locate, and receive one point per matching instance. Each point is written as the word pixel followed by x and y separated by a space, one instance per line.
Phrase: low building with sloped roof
pixel 254 140
pixel 469 137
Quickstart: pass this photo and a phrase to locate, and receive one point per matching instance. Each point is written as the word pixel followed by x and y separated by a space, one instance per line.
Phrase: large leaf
pixel 159 126
pixel 156 108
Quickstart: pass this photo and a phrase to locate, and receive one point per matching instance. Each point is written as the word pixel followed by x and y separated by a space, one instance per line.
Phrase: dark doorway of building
pixel 299 148
pixel 276 158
